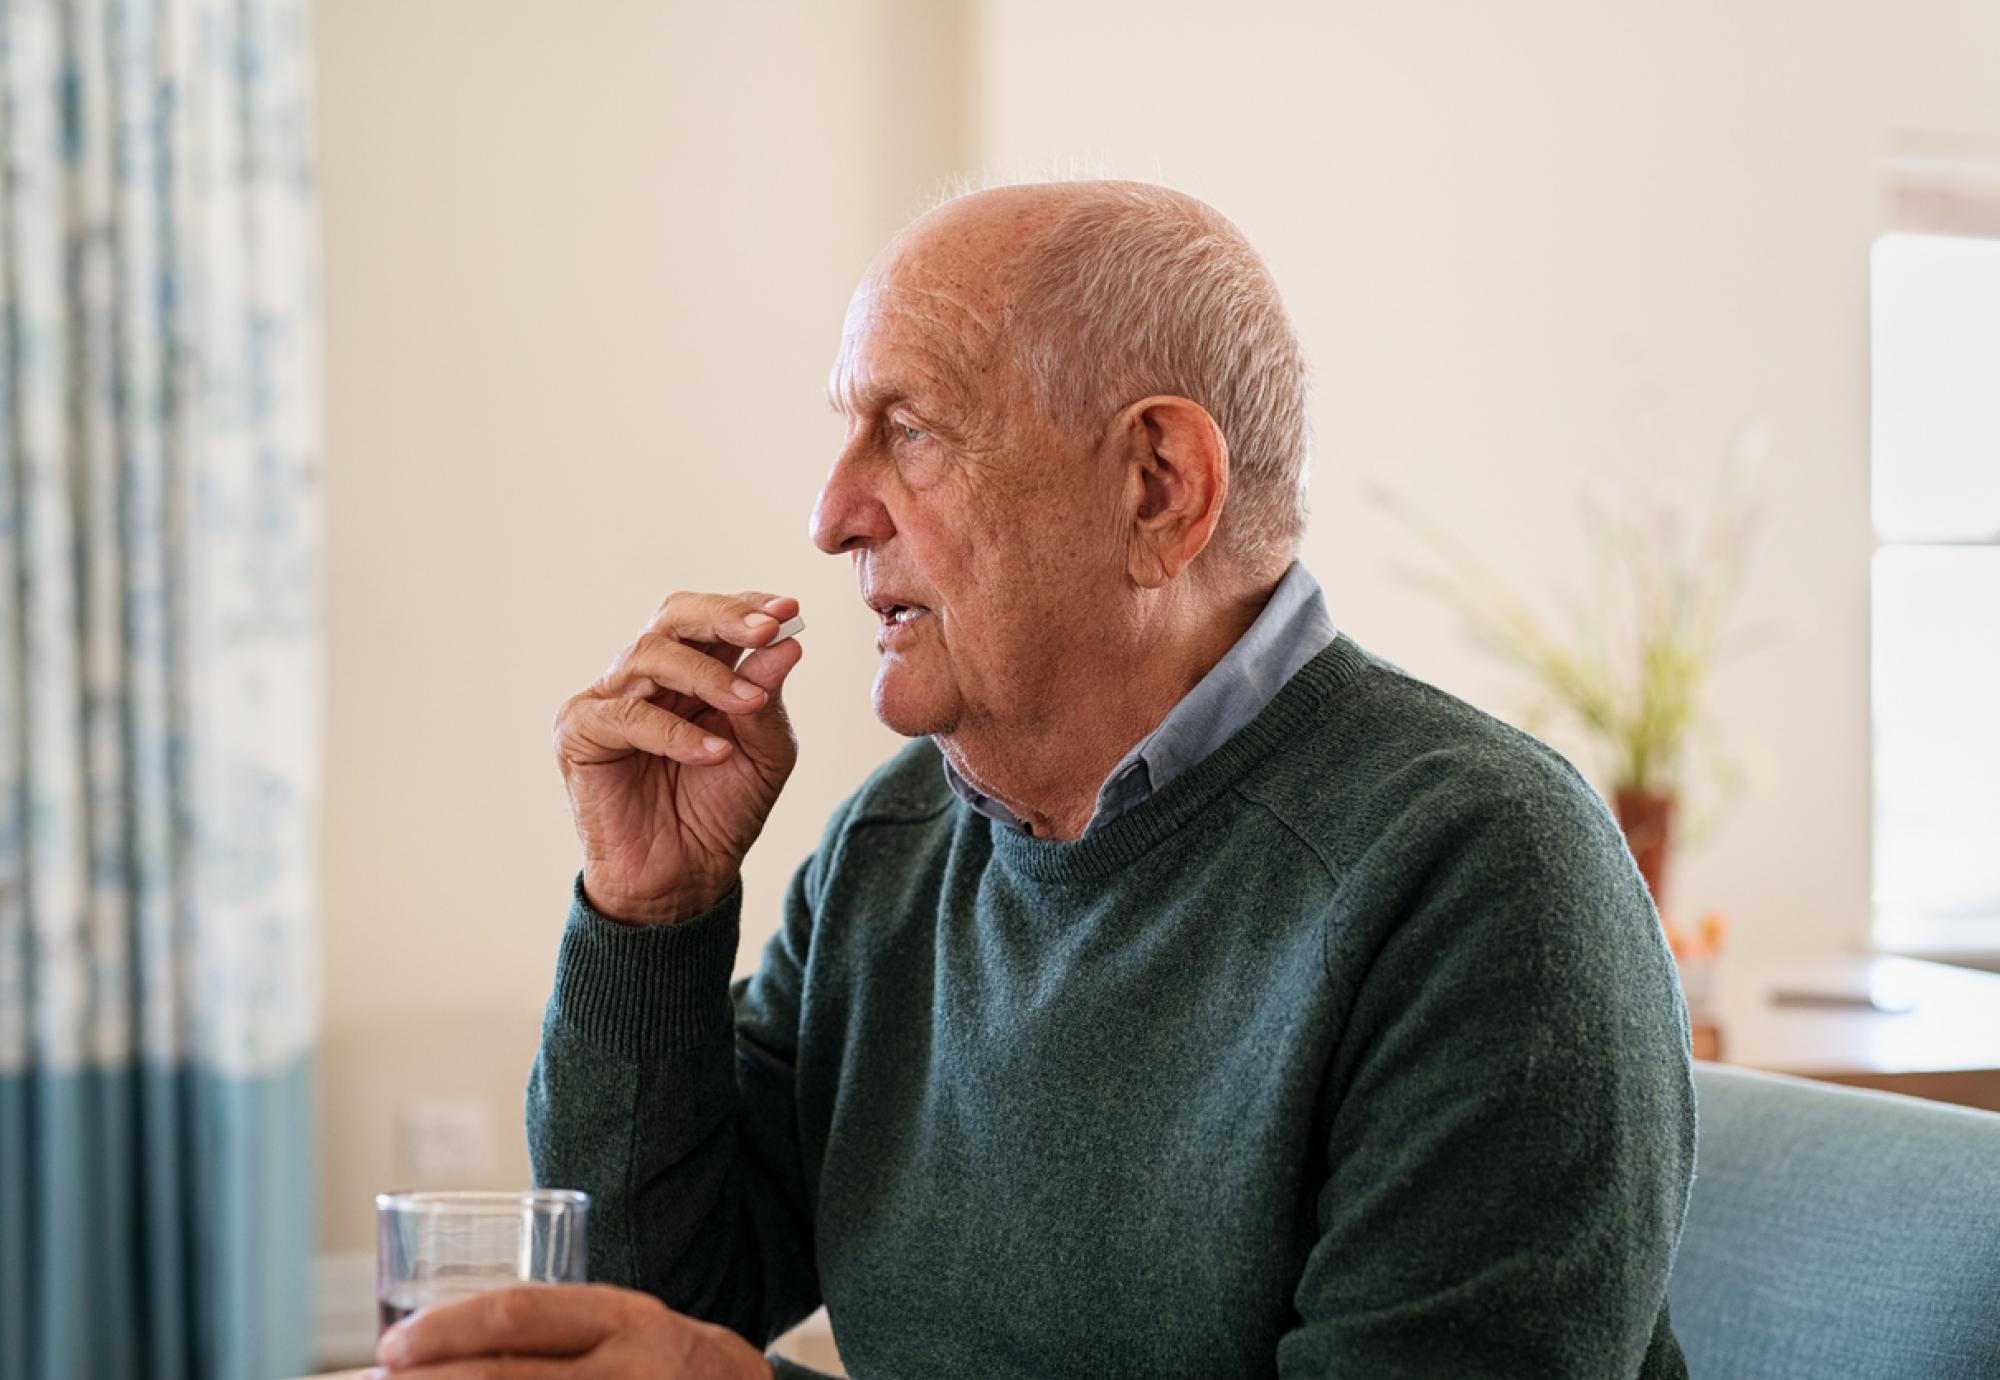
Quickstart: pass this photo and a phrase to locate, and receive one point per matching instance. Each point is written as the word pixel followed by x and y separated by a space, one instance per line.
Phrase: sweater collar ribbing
pixel 1106 850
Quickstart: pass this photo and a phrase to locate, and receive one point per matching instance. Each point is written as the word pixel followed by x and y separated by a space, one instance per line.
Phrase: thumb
pixel 768 732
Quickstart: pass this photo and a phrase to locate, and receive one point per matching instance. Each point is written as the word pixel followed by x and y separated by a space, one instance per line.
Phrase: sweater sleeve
pixel 668 1097
pixel 1511 1135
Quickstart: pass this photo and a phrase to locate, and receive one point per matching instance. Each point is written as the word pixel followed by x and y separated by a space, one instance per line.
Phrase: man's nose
pixel 849 514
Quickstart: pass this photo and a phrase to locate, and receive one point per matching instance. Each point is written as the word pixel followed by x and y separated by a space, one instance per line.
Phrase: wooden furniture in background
pixel 1945 1048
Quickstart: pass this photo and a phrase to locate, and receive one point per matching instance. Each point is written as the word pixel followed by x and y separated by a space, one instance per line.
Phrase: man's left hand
pixel 565 1332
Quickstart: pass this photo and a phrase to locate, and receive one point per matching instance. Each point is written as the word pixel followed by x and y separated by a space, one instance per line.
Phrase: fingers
pixel 658 661
pixel 779 606
pixel 531 1320
pixel 690 649
pixel 692 646
pixel 766 736
pixel 492 1368
pixel 770 662
pixel 767 667
pixel 749 619
pixel 592 729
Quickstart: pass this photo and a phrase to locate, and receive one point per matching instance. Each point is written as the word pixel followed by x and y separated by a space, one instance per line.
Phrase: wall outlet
pixel 447 1142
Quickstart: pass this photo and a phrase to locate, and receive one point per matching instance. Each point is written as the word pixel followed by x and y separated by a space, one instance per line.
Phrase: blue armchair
pixel 1836 1234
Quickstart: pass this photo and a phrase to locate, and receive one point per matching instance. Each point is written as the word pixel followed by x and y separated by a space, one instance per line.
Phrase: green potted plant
pixel 1629 667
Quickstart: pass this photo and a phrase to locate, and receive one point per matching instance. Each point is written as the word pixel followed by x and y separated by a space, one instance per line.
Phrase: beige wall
pixel 585 267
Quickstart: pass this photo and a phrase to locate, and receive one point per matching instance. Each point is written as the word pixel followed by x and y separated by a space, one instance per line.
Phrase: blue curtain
pixel 159 687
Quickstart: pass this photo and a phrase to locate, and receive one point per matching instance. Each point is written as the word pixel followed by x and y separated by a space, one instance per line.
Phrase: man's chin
pixel 907 706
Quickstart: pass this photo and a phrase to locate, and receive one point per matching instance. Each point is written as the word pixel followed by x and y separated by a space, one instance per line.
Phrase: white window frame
pixel 1939 187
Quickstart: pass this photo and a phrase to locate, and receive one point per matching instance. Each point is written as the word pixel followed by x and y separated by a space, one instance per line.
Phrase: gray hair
pixel 1141 290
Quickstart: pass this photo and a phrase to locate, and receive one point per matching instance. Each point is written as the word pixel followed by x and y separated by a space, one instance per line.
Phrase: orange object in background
pixel 1714 929
pixel 1695 954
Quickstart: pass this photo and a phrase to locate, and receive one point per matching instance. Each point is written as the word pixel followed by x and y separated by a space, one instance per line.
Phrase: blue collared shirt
pixel 1293 628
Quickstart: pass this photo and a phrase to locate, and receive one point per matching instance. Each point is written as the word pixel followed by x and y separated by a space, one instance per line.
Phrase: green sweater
pixel 1356 1051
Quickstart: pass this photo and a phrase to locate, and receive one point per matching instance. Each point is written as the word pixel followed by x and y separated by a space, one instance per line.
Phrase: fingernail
pixel 715 744
pixel 758 620
pixel 772 604
pixel 394 1348
pixel 744 690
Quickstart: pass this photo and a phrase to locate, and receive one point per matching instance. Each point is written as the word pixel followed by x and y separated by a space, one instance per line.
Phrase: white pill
pixel 791 627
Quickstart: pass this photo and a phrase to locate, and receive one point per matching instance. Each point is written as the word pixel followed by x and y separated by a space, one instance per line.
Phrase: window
pixel 1935 486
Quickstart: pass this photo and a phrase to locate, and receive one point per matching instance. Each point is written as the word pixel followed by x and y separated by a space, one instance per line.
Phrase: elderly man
pixel 1198 995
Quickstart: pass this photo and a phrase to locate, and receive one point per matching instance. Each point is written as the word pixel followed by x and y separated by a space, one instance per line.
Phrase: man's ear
pixel 1176 477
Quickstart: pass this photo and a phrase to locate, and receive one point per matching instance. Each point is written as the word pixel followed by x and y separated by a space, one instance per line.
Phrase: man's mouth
pixel 897 618
pixel 893 611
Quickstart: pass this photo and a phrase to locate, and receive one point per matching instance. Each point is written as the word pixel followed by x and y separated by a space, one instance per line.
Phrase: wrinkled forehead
pixel 926 314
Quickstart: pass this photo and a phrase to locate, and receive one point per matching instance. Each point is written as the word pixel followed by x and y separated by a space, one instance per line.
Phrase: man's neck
pixel 1049 776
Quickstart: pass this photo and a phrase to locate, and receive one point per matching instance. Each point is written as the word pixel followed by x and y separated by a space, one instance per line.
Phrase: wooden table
pixel 1946 1048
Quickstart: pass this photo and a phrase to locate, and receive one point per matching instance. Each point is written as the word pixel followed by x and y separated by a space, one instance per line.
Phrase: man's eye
pixel 911 433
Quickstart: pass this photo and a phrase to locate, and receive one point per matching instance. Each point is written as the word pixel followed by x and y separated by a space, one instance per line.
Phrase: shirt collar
pixel 1293 627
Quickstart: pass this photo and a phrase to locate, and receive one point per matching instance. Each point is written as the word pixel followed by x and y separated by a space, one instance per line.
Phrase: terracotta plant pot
pixel 1647 817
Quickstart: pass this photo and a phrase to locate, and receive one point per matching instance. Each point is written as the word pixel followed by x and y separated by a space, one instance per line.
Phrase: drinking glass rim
pixel 482 1200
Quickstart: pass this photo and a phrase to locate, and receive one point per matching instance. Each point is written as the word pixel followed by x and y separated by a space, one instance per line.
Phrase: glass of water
pixel 432 1248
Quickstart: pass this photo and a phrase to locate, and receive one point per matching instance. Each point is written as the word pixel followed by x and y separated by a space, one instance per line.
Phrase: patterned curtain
pixel 159 687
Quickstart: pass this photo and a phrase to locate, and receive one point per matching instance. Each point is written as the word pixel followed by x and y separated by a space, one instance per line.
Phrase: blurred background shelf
pixel 1945 1047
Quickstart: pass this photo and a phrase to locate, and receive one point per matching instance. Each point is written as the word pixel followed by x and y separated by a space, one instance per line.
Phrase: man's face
pixel 986 541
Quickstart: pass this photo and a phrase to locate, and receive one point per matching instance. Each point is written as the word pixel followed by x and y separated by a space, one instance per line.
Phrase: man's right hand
pixel 671 768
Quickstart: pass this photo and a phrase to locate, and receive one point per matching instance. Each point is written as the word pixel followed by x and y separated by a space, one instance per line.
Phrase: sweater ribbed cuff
pixel 643 991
